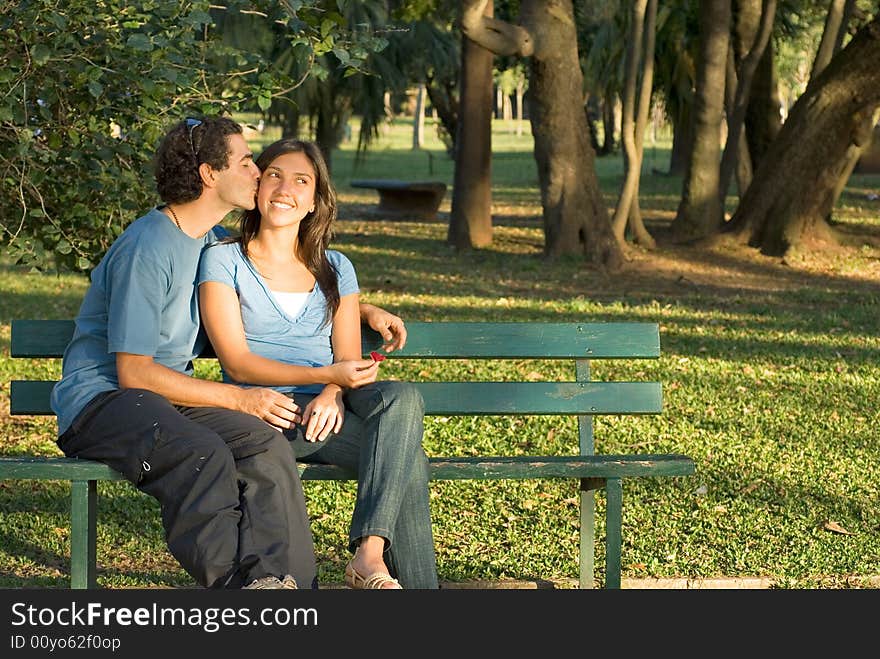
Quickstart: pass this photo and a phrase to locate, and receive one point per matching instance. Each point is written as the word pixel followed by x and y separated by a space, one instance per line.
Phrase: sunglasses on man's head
pixel 190 125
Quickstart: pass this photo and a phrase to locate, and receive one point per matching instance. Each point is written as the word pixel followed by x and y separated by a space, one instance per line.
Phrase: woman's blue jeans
pixel 381 439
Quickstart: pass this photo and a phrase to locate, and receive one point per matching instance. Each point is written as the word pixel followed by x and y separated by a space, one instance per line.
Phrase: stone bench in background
pixel 406 199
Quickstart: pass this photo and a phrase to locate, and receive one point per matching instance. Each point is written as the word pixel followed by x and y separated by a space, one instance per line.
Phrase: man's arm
pixel 141 372
pixel 390 327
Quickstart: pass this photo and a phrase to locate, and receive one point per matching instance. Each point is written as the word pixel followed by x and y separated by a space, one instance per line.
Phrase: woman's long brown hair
pixel 316 228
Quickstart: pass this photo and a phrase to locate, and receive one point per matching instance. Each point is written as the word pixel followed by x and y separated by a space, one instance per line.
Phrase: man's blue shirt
pixel 142 300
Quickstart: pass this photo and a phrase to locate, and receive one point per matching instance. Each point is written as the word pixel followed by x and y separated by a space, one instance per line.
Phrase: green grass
pixel 771 375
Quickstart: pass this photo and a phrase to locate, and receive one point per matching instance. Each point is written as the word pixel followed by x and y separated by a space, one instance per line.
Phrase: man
pixel 210 453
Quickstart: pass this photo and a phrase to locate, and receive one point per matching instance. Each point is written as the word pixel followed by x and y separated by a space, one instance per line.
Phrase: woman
pixel 281 310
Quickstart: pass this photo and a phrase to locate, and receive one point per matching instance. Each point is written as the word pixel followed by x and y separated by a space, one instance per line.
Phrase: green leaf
pixel 200 18
pixel 95 88
pixel 264 101
pixel 139 42
pixel 40 54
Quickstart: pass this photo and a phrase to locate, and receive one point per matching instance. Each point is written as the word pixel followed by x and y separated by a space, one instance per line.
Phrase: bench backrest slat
pixel 436 340
pixel 449 340
pixel 472 398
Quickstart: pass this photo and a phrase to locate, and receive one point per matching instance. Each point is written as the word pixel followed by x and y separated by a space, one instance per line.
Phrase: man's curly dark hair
pixel 186 146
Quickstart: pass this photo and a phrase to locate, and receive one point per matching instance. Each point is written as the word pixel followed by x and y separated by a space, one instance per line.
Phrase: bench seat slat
pixel 455 468
pixel 471 398
pixel 528 467
pixel 47 468
pixel 440 340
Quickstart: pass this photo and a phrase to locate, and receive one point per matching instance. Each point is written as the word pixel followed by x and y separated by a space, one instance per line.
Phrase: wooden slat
pixel 435 340
pixel 482 340
pixel 470 398
pixel 457 468
pixel 562 466
pixel 30 397
pixel 476 398
pixel 45 468
pixel 40 338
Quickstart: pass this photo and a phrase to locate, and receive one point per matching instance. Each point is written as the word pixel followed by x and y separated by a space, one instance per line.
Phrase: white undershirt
pixel 291 303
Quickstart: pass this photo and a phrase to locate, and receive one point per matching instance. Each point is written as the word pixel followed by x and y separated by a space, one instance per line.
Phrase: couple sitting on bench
pixel 283 315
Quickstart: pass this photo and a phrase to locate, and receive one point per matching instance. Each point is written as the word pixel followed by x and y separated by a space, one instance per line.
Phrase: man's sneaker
pixel 273 583
pixel 264 583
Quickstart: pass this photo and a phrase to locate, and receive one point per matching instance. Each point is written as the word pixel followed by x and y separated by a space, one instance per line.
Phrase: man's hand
pixel 390 327
pixel 271 406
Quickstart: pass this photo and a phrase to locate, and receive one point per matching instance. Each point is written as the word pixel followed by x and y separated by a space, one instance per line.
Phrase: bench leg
pixel 613 522
pixel 83 533
pixel 586 561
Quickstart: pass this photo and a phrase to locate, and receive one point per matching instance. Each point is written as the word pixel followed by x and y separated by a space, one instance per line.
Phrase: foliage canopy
pixel 91 87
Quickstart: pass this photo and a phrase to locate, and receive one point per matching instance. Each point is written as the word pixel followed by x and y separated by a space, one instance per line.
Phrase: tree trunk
pixel 628 117
pixel 836 24
pixel 518 107
pixel 575 216
pixel 640 234
pixel 749 44
pixel 764 112
pixel 700 210
pixel 635 119
pixel 389 113
pixel 743 160
pixel 470 222
pixel 444 102
pixel 419 119
pixel 848 12
pixel 784 210
pixel 682 138
pixel 327 126
pixel 834 27
pixel 608 122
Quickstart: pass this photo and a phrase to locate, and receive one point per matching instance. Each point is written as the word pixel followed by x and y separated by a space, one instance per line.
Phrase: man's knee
pixel 272 450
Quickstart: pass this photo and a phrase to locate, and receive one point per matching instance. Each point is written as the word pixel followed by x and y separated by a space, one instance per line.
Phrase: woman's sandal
pixel 356 581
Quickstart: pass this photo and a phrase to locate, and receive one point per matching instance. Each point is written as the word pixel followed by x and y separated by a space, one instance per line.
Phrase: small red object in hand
pixel 377 356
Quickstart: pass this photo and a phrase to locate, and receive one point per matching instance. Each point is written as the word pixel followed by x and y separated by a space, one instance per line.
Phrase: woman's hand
pixel 353 373
pixel 390 327
pixel 324 414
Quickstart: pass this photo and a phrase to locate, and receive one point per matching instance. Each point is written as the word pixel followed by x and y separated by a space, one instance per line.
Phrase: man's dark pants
pixel 232 501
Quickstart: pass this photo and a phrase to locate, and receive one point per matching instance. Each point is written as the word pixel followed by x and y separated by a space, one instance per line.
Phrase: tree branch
pixel 499 37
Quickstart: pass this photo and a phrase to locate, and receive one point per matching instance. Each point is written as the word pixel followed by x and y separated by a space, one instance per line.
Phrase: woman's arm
pixel 325 413
pixel 346 335
pixel 221 317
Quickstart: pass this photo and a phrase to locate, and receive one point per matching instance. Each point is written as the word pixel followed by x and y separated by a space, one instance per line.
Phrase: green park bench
pixel 582 397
